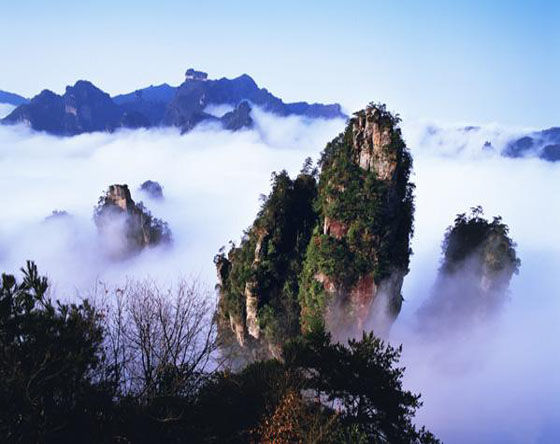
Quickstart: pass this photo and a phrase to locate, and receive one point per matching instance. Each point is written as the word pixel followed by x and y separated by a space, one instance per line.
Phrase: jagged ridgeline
pixel 331 252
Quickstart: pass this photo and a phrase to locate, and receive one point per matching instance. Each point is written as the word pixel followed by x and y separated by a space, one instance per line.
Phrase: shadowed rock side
pixel 126 227
pixel 85 108
pixel 544 144
pixel 12 99
pixel 359 253
pixel 258 280
pixel 479 260
pixel 329 254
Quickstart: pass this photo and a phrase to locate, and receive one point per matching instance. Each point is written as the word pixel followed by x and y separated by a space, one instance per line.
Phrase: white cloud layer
pixel 5 109
pixel 211 178
pixel 498 384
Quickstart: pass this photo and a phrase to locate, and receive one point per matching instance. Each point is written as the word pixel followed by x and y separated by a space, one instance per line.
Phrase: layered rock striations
pixel 479 260
pixel 127 227
pixel 330 253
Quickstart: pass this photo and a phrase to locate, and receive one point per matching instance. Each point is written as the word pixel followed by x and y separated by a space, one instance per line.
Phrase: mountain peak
pixel 193 74
pixel 86 108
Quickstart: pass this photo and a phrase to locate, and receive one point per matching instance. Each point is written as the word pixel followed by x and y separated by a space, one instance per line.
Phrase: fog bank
pixel 496 382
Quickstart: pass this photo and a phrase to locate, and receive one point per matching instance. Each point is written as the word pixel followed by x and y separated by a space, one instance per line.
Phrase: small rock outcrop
pixel 127 227
pixel 152 189
pixel 327 254
pixel 479 260
pixel 57 215
pixel 239 118
pixel 193 74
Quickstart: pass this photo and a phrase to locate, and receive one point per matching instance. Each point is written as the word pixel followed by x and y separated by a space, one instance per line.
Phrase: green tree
pixel 50 354
pixel 362 383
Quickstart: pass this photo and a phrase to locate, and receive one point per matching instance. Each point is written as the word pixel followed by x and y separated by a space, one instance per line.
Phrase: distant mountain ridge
pixel 84 108
pixel 544 144
pixel 487 140
pixel 12 99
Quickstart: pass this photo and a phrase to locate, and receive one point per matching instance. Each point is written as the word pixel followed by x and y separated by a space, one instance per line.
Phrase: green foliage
pixel 158 229
pixel 376 216
pixel 473 234
pixel 57 386
pixel 312 239
pixel 281 232
pixel 49 357
pixel 359 385
pixel 140 224
pixel 361 381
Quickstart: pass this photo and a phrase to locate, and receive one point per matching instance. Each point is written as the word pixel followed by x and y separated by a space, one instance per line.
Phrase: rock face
pixel 193 74
pixel 258 280
pixel 479 260
pixel 85 108
pixel 238 118
pixel 361 254
pixel 187 108
pixel 150 102
pixel 127 227
pixel 331 254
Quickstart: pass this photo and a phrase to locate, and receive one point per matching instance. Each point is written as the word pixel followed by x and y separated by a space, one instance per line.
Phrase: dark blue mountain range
pixel 12 99
pixel 84 108
pixel 544 144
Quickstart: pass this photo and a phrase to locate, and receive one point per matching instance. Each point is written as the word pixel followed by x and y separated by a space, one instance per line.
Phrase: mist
pixel 211 182
pixel 496 381
pixel 493 380
pixel 5 109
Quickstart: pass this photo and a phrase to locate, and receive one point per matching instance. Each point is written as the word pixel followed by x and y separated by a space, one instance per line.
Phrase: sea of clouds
pixel 495 383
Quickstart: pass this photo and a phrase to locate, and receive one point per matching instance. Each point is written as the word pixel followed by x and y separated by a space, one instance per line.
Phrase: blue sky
pixel 452 61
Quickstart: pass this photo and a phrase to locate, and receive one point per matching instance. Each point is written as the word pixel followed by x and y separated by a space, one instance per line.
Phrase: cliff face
pixel 360 255
pixel 329 254
pixel 258 280
pixel 127 227
pixel 479 260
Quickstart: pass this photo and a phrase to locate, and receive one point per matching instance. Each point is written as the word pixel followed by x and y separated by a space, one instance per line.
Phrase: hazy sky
pixel 471 61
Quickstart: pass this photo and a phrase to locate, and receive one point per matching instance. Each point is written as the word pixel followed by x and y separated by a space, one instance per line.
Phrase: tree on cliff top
pixel 473 234
pixel 268 260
